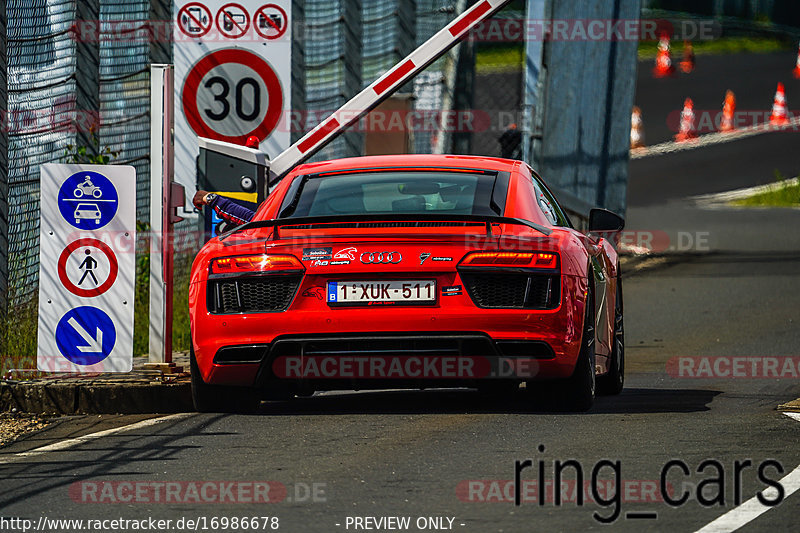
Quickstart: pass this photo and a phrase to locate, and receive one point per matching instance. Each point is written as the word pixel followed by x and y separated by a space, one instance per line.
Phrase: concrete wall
pixel 583 121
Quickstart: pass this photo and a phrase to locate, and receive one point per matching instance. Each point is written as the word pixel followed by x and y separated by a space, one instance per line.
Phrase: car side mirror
pixel 605 220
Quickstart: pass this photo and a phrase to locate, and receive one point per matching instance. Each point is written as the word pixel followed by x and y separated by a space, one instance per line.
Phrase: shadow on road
pixel 154 447
pixel 471 402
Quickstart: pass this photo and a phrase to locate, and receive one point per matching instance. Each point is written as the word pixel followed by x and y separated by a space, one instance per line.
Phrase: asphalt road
pixel 752 77
pixel 410 453
pixel 714 168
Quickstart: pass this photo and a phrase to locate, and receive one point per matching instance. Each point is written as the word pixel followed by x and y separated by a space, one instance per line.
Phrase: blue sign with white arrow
pixel 88 200
pixel 85 335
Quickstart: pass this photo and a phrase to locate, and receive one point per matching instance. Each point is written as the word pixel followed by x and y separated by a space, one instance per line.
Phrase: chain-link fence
pixel 125 91
pixel 48 120
pixel 41 100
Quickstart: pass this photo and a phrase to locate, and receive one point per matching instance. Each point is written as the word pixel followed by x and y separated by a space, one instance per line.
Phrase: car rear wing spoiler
pixel 414 220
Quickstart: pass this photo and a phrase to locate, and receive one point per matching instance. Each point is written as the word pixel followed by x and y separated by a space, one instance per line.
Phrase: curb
pixel 141 391
pixel 100 398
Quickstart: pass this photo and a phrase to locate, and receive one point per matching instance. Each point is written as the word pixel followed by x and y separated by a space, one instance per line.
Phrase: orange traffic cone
pixel 779 114
pixel 687 131
pixel 796 70
pixel 687 64
pixel 728 109
pixel 664 66
pixel 637 128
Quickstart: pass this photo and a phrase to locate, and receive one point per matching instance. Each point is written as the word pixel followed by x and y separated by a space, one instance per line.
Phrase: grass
pixel 20 336
pixel 182 266
pixel 509 57
pixel 785 194
pixel 500 58
pixel 181 335
pixel 724 45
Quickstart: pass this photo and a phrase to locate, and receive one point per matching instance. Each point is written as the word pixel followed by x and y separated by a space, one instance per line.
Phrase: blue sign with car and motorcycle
pixel 88 200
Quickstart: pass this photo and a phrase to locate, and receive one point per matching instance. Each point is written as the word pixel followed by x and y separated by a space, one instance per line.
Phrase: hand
pixel 199 199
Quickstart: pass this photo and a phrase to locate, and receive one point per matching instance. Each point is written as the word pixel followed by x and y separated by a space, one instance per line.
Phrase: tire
pixel 613 382
pixel 578 391
pixel 219 398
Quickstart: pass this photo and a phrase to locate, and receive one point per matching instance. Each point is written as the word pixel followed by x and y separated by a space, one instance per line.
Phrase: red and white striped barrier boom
pixel 383 87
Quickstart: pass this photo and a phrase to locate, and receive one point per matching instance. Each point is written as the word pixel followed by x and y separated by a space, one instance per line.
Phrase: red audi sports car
pixel 415 271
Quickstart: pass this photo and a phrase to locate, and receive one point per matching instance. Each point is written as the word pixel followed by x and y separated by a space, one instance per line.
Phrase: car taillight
pixel 542 260
pixel 254 263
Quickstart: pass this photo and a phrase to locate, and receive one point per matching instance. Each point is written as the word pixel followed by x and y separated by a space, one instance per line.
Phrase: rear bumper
pixel 483 336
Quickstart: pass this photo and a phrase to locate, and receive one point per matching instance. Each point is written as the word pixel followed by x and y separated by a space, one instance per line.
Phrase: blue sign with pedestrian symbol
pixel 85 335
pixel 88 200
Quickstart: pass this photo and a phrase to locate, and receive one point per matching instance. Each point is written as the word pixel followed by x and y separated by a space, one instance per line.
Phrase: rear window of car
pixel 402 192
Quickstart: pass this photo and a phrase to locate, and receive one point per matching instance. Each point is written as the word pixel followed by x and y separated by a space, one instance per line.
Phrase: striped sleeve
pixel 230 211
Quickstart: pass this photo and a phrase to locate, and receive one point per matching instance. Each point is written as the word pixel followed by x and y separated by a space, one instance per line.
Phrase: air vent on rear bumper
pixel 263 294
pixel 511 290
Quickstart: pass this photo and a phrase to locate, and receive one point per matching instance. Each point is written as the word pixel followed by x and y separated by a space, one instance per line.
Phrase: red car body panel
pixel 309 313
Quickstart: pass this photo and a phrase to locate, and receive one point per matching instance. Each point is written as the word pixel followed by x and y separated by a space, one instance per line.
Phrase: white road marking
pixel 753 508
pixel 709 139
pixel 795 416
pixel 68 443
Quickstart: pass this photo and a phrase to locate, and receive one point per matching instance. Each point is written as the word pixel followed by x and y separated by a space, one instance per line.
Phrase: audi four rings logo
pixel 381 258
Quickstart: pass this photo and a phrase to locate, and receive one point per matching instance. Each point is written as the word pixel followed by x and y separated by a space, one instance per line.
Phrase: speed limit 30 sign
pixel 231 94
pixel 233 77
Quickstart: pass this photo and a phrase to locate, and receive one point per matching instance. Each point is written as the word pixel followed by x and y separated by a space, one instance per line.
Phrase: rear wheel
pixel 614 380
pixel 578 391
pixel 209 398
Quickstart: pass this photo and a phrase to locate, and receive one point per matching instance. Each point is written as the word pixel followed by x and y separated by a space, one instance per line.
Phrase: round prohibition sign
pixel 233 21
pixel 232 89
pixel 194 19
pixel 113 267
pixel 270 21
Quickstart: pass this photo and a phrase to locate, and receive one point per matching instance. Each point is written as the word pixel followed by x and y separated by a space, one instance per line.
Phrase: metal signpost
pixel 166 197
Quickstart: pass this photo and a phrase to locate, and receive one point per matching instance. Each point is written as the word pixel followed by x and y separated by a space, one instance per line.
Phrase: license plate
pixel 368 292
